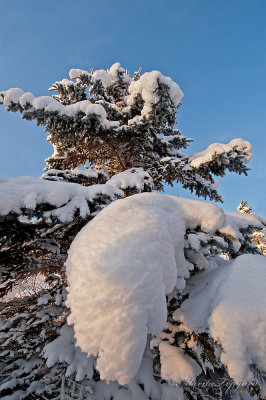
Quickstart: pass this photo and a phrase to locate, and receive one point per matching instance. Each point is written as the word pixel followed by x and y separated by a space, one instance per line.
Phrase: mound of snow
pixel 120 267
pixel 230 303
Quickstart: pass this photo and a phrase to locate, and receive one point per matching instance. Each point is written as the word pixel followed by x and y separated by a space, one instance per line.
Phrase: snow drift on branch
pixel 62 198
pixel 72 175
pixel 120 267
pixel 229 301
pixel 234 221
pixel 132 178
pixel 207 155
pixel 49 104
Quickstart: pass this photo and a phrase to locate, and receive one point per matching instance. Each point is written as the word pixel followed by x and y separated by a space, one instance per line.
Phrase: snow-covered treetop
pixel 110 120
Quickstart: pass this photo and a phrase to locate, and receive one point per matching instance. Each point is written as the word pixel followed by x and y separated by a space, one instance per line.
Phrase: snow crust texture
pixel 120 267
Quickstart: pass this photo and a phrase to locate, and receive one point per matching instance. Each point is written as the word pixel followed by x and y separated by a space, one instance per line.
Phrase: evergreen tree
pixel 113 136
pixel 258 236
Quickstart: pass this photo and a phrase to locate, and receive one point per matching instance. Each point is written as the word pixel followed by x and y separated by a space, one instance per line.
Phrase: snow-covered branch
pixel 218 157
pixel 228 301
pixel 53 200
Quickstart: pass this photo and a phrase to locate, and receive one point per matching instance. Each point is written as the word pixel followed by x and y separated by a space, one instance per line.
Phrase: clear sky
pixel 215 50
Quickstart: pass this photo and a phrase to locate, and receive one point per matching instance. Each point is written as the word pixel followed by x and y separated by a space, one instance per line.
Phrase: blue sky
pixel 215 51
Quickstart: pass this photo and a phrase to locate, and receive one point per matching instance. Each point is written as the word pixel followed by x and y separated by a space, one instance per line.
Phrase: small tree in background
pixel 258 236
pixel 113 136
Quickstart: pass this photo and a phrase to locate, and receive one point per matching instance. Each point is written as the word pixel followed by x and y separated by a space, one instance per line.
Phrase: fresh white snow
pixel 205 156
pixel 120 267
pixel 131 178
pixel 75 73
pixel 106 77
pixel 60 175
pixel 49 104
pixel 235 222
pixel 64 198
pixel 63 349
pixel 229 301
pixel 176 366
pixel 147 87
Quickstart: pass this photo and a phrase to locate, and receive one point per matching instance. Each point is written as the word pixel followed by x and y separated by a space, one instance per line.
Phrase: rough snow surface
pixel 118 282
pixel 65 199
pixel 120 267
pixel 205 156
pixel 229 301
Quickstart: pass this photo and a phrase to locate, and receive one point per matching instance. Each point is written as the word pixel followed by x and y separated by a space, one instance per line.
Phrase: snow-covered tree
pixel 111 121
pixel 258 236
pixel 116 319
